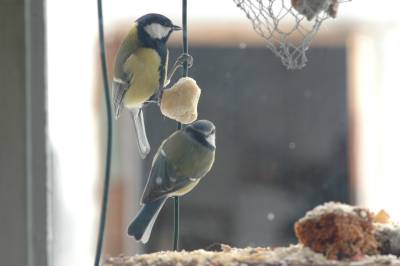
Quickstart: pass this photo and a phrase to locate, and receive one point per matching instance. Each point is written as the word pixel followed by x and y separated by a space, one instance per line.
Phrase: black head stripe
pixel 199 137
pixel 154 18
pixel 204 126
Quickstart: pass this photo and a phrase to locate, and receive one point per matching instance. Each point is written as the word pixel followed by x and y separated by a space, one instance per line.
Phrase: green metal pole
pixel 184 74
pixel 104 204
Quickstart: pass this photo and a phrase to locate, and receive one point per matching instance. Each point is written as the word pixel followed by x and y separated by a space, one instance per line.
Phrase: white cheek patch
pixel 157 31
pixel 211 140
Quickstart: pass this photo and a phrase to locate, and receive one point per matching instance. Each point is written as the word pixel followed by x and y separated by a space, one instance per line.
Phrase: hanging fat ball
pixel 180 101
pixel 333 9
pixel 140 70
pixel 182 160
pixel 312 8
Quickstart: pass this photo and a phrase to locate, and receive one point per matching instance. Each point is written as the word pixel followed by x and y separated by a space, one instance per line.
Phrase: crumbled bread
pixel 329 207
pixel 338 231
pixel 295 255
pixel 388 237
pixel 382 217
pixel 180 101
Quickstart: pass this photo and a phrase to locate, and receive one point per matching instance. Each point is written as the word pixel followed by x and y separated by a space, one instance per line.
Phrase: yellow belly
pixel 186 189
pixel 144 64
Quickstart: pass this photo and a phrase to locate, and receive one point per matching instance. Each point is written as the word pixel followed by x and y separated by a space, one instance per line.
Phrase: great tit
pixel 140 69
pixel 182 160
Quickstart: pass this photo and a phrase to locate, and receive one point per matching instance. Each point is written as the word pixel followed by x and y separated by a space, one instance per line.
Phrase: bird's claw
pixel 182 59
pixel 155 99
pixel 185 58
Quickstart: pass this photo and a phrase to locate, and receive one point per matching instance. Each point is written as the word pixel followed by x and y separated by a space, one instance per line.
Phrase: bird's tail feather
pixel 143 143
pixel 142 225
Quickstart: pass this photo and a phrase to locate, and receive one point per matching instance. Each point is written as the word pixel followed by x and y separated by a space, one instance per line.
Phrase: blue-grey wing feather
pixel 163 180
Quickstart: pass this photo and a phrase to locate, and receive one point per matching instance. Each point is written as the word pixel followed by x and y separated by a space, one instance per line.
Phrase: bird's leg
pixel 182 59
pixel 153 99
pixel 156 98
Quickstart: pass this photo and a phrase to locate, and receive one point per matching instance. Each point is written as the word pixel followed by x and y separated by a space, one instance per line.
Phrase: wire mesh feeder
pixel 289 26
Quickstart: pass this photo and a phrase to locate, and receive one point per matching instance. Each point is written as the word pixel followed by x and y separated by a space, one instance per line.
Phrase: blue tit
pixel 182 160
pixel 140 70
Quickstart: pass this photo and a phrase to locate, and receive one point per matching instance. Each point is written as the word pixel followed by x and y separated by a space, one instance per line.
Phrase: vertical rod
pixel 176 223
pixel 184 74
pixel 185 36
pixel 104 204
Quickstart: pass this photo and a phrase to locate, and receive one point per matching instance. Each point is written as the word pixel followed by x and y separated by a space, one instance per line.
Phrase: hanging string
pixel 184 74
pixel 106 185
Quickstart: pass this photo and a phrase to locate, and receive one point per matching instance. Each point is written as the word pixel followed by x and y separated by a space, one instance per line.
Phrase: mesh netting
pixel 289 26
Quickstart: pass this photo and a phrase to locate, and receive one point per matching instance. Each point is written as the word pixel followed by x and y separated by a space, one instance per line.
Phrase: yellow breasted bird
pixel 182 160
pixel 140 70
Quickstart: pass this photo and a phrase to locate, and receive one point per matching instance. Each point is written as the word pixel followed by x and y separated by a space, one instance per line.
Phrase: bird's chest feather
pixel 144 65
pixel 190 158
pixel 186 189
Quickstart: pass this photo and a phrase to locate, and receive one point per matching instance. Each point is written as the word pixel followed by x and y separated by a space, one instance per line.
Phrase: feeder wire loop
pixel 289 26
pixel 106 185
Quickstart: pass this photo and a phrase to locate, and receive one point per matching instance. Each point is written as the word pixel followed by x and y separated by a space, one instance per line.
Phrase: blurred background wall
pixel 282 146
pixel 287 140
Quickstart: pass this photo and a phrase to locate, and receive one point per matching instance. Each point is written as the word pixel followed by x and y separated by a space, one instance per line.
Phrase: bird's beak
pixel 174 27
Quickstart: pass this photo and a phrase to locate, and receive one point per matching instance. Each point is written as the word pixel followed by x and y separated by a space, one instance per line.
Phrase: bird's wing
pixel 119 89
pixel 122 79
pixel 163 179
pixel 121 82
